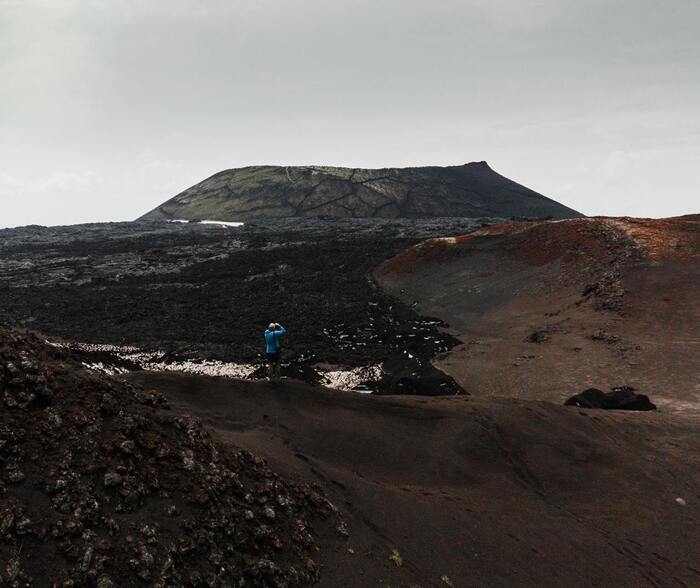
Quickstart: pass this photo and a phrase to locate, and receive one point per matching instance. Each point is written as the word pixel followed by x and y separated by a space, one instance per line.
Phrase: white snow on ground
pixel 204 368
pixel 153 360
pixel 110 370
pixel 348 379
pixel 208 222
pixel 220 223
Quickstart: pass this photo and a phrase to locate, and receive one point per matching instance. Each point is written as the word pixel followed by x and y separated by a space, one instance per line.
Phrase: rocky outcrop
pixel 406 374
pixel 621 398
pixel 101 486
pixel 470 190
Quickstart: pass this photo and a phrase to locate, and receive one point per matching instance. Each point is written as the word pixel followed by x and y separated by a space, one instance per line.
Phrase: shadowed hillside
pixel 470 190
pixel 467 492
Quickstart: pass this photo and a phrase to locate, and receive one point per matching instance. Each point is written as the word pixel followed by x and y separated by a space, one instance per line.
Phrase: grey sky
pixel 107 108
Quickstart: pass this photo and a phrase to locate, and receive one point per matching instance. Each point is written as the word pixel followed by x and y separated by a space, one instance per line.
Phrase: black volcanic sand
pixel 208 292
pixel 472 492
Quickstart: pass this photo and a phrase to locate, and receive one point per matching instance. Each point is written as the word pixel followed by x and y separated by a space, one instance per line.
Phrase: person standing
pixel 273 348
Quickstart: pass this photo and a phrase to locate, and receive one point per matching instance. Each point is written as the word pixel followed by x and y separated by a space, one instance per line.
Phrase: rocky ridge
pixel 101 486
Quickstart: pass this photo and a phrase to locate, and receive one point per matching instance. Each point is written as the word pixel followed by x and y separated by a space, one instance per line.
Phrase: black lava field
pixel 200 291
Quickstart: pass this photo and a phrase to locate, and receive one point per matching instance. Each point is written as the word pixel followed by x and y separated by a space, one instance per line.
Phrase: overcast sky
pixel 108 108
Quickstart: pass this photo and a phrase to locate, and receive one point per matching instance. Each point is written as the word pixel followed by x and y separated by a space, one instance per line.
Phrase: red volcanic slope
pixel 546 309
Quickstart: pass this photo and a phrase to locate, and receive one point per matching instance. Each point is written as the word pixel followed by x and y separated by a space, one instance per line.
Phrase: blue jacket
pixel 273 339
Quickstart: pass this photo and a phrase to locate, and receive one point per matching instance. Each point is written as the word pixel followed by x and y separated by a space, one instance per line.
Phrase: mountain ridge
pixel 471 190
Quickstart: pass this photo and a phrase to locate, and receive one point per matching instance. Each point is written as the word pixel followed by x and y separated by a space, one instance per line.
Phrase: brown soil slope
pixel 547 309
pixel 473 492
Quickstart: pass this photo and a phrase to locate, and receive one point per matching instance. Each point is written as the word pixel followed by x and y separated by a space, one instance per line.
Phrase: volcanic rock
pixel 191 292
pixel 409 375
pixel 621 398
pixel 135 492
pixel 470 190
pixel 538 336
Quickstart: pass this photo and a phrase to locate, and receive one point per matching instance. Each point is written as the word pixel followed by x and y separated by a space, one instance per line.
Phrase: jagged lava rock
pixel 621 398
pixel 101 486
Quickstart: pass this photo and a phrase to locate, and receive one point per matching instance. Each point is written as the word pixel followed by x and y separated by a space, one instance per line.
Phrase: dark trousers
pixel 273 362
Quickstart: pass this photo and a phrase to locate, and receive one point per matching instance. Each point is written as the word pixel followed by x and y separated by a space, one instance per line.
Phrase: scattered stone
pixel 15 476
pixel 105 582
pixel 605 337
pixel 112 479
pixel 396 557
pixel 538 337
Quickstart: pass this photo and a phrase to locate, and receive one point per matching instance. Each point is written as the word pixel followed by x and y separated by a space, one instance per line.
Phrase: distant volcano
pixel 470 190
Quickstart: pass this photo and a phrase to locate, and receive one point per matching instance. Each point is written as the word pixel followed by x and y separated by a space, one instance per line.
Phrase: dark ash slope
pixel 470 190
pixel 468 492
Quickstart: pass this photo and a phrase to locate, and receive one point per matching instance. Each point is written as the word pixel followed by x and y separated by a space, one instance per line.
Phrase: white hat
pixel 272 326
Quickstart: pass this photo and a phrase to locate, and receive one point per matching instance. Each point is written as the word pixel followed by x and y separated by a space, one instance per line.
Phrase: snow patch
pixel 208 222
pixel 340 379
pixel 110 370
pixel 351 379
pixel 221 223
pixel 204 368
